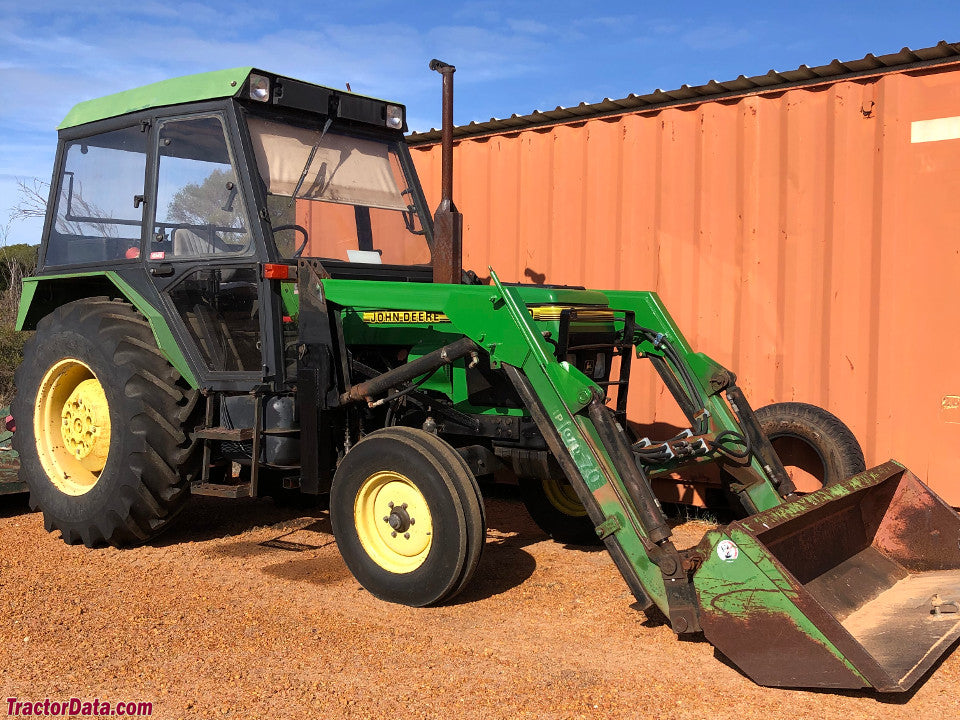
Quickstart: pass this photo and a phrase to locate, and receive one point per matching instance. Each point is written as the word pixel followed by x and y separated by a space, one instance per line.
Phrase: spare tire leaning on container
pixel 813 444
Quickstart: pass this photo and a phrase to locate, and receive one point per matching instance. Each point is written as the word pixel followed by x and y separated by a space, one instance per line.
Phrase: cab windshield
pixel 335 196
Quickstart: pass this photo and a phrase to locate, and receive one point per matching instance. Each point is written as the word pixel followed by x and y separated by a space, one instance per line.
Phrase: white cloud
pixel 529 27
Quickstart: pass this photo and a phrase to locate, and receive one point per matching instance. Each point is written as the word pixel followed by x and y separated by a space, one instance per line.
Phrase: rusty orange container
pixel 806 235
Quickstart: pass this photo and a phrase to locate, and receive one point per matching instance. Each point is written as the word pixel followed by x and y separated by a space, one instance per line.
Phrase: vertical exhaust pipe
pixel 447 222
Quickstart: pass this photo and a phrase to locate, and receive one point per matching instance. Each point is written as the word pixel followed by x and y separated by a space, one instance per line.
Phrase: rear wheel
pixel 556 509
pixel 815 447
pixel 102 422
pixel 408 517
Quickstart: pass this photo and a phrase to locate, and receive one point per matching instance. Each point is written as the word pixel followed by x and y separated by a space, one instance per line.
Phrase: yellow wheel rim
pixel 393 522
pixel 71 424
pixel 563 497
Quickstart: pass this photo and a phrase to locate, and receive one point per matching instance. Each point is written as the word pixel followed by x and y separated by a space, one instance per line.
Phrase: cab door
pixel 202 255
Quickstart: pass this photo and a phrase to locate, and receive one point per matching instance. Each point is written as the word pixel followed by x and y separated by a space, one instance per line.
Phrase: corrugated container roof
pixel 941 53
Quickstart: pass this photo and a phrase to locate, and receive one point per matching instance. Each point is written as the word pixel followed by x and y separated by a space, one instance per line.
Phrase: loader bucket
pixel 855 585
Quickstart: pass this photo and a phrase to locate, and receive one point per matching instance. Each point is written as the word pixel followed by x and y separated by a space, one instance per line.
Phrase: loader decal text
pixel 414 317
pixel 582 457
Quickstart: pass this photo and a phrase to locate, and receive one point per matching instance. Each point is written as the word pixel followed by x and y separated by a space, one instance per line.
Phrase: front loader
pixel 241 293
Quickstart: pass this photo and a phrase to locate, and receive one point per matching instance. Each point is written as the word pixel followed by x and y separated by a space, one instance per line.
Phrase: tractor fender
pixel 43 294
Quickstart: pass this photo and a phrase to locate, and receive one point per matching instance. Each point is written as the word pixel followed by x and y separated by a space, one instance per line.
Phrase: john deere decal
pixel 418 317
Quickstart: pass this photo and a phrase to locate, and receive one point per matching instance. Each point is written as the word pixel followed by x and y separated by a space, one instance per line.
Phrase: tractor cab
pixel 225 174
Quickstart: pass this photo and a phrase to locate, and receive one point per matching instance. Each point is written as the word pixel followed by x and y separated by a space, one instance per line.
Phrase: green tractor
pixel 241 293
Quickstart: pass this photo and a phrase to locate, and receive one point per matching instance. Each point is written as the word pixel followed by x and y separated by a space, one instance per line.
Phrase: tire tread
pixel 836 443
pixel 160 407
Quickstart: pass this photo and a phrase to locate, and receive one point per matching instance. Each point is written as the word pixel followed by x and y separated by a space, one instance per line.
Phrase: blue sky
pixel 511 57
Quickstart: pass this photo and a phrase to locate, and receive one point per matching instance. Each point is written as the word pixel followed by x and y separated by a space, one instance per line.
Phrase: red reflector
pixel 276 271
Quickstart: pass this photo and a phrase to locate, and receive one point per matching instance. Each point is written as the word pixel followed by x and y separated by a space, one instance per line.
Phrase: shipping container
pixel 803 228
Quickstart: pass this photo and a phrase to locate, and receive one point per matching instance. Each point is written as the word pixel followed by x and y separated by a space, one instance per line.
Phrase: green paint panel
pixel 290 299
pixel 433 297
pixel 750 610
pixel 161 331
pixel 190 88
pixel 26 300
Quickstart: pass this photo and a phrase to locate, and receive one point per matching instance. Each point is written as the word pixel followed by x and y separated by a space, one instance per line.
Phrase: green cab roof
pixel 197 88
pixel 189 88
pixel 284 92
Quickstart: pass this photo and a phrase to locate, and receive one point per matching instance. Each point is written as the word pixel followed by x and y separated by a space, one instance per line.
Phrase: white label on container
pixel 947 128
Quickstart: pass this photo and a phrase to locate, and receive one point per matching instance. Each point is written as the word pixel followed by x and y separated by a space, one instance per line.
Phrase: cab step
pixel 240 490
pixel 224 433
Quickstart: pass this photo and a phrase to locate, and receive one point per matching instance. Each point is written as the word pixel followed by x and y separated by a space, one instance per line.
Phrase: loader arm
pixel 834 578
pixel 762 479
pixel 598 462
pixel 580 431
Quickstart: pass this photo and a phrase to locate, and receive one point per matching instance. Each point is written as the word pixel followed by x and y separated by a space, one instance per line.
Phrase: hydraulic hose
pixel 404 373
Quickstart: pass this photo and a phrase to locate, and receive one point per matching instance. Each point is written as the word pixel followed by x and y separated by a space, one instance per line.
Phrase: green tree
pixel 211 202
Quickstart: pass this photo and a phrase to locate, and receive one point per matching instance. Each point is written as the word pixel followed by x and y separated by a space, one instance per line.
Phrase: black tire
pixel 150 458
pixel 436 477
pixel 816 448
pixel 556 509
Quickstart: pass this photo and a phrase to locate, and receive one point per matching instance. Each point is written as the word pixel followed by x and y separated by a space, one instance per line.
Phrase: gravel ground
pixel 246 610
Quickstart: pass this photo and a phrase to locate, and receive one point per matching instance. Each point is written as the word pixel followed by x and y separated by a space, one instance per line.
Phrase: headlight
pixel 259 88
pixel 395 117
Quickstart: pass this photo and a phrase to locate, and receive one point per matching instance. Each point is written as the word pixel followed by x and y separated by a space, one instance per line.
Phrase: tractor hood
pixel 433 297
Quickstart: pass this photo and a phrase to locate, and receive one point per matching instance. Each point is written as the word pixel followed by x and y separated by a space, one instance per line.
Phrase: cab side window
pixel 199 206
pixel 99 204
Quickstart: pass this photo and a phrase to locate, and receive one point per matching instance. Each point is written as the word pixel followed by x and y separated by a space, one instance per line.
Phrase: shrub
pixel 15 262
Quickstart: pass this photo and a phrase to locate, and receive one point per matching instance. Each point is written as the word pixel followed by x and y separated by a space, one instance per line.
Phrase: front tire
pixel 102 425
pixel 407 516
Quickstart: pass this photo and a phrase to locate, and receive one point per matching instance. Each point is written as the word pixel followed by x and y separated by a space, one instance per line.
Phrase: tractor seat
pixel 187 242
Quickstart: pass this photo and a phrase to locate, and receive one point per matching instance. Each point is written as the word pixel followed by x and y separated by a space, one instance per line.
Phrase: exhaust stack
pixel 447 222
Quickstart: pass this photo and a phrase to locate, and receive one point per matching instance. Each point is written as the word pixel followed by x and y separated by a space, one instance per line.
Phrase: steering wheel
pixel 298 228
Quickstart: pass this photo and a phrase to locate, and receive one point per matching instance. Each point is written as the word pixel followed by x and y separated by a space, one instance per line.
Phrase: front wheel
pixel 407 516
pixel 102 422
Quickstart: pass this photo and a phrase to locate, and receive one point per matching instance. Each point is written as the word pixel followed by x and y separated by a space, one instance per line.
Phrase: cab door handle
pixel 161 270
